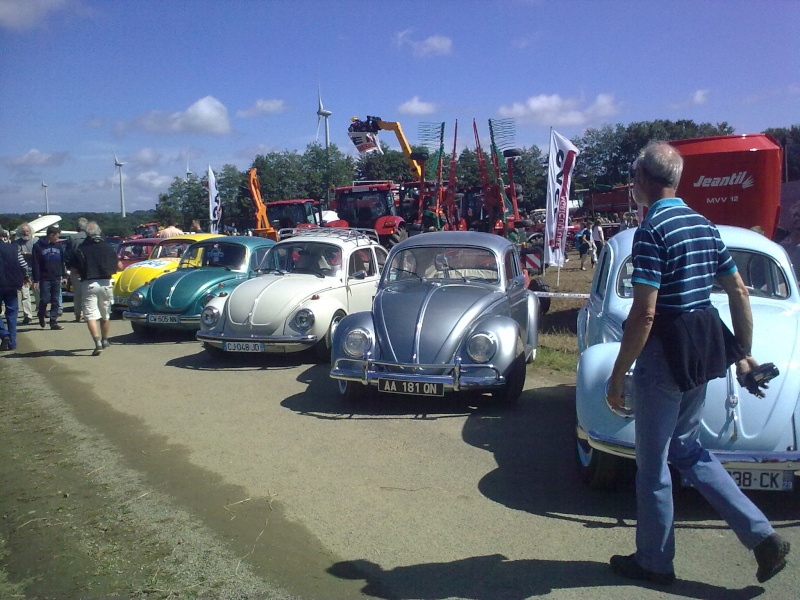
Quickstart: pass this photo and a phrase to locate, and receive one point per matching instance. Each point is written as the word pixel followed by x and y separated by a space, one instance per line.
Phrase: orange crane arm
pixel 263 228
pixel 416 169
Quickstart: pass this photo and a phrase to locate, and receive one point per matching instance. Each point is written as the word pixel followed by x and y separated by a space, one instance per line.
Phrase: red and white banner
pixel 559 175
pixel 214 204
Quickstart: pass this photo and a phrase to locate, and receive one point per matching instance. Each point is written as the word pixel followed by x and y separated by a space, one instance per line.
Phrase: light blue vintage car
pixel 207 269
pixel 452 313
pixel 756 439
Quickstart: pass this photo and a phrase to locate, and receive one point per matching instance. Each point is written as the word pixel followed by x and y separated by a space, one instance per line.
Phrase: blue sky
pixel 170 83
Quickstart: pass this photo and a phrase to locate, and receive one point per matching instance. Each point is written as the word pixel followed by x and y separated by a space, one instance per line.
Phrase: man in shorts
pixel 96 261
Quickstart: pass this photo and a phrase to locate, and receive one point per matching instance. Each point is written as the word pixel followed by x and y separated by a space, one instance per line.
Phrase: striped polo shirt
pixel 679 252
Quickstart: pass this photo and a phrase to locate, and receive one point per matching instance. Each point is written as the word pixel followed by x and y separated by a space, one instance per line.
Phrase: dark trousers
pixel 49 290
pixel 9 299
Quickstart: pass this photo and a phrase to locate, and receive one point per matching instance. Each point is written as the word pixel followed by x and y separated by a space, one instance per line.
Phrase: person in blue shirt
pixel 48 271
pixel 677 257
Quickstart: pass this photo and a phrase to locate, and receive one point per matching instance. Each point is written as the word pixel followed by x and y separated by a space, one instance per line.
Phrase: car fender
pixel 507 332
pixel 594 368
pixel 323 308
pixel 217 302
pixel 359 320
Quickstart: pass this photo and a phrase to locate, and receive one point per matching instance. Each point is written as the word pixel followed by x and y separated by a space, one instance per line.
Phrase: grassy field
pixel 558 346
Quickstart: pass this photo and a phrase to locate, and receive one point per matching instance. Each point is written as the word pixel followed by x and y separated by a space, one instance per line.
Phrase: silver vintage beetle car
pixel 452 313
pixel 756 439
pixel 308 282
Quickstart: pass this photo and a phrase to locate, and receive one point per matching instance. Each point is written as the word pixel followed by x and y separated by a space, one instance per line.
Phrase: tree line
pixel 606 155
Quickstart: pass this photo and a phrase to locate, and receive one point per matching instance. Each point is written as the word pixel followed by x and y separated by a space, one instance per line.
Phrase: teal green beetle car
pixel 207 269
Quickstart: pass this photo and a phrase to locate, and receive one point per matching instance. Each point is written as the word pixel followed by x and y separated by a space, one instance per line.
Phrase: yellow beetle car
pixel 163 259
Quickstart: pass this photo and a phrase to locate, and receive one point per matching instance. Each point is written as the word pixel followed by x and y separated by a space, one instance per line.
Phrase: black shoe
pixel 41 321
pixel 6 343
pixel 626 566
pixel 771 556
pixel 97 350
pixel 56 327
pixel 26 321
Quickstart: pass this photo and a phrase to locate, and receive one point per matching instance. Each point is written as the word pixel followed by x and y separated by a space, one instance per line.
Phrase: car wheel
pixel 214 351
pixel 397 237
pixel 511 391
pixel 540 285
pixel 141 330
pixel 323 347
pixel 599 470
pixel 352 391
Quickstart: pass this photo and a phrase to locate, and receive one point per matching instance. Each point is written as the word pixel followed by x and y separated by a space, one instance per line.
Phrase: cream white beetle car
pixel 308 283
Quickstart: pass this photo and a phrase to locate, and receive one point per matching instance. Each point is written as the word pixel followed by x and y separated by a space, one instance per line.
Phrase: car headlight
pixel 481 347
pixel 209 316
pixel 136 299
pixel 357 343
pixel 304 318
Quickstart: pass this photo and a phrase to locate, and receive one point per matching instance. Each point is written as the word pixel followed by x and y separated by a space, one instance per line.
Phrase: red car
pixel 133 251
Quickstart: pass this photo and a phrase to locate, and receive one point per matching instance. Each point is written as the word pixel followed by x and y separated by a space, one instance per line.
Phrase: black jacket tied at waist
pixel 699 347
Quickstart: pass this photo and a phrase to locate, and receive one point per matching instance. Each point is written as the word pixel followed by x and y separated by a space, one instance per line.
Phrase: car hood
pixel 440 314
pixel 179 290
pixel 265 302
pixel 140 273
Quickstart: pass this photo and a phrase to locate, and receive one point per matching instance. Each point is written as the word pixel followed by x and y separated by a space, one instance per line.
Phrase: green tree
pixel 789 139
pixel 185 200
pixel 530 173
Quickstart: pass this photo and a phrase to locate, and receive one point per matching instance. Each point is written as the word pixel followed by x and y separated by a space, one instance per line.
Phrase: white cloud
pixel 555 111
pixel 151 180
pixel 27 14
pixel 263 107
pixel 433 45
pixel 699 97
pixel 37 158
pixel 146 157
pixel 415 106
pixel 207 115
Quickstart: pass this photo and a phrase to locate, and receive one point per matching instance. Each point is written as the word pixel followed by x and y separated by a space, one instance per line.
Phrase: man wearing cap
pixel 48 271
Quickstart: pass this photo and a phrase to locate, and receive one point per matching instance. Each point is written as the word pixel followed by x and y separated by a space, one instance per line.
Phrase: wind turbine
pixel 46 201
pixel 121 192
pixel 322 113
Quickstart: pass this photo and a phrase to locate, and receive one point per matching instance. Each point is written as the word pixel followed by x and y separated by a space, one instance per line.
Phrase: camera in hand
pixel 758 378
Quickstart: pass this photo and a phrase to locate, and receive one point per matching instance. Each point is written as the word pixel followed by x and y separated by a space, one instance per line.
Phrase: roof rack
pixel 356 234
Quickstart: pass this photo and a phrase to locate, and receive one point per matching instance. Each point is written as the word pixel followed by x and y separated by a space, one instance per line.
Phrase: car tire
pixel 322 349
pixel 217 353
pixel 397 237
pixel 141 330
pixel 598 470
pixel 352 391
pixel 540 285
pixel 512 389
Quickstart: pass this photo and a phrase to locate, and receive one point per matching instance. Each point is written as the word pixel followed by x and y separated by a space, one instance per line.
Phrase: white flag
pixel 214 204
pixel 559 174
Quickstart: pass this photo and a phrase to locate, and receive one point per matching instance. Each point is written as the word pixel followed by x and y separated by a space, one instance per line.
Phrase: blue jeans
pixel 49 291
pixel 9 299
pixel 667 427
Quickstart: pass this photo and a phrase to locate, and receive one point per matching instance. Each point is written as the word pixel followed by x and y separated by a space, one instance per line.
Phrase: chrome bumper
pixel 731 459
pixel 142 318
pixel 299 342
pixel 456 376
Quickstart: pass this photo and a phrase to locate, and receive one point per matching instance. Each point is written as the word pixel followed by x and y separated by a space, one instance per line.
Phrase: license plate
pixel 121 300
pixel 750 479
pixel 414 388
pixel 243 346
pixel 163 319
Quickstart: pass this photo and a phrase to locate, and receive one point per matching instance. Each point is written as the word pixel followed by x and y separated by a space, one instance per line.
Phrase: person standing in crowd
pixel 96 261
pixel 48 271
pixel 598 238
pixel 170 230
pixel 13 274
pixel 24 239
pixel 73 242
pixel 585 245
pixel 677 257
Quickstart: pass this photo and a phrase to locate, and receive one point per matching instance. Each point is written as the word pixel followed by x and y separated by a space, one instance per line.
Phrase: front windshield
pixel 762 275
pixel 214 254
pixel 315 258
pixel 361 209
pixel 170 249
pixel 432 262
pixel 134 251
pixel 288 215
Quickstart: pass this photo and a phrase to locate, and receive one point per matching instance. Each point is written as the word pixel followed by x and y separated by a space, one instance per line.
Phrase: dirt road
pixel 155 471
